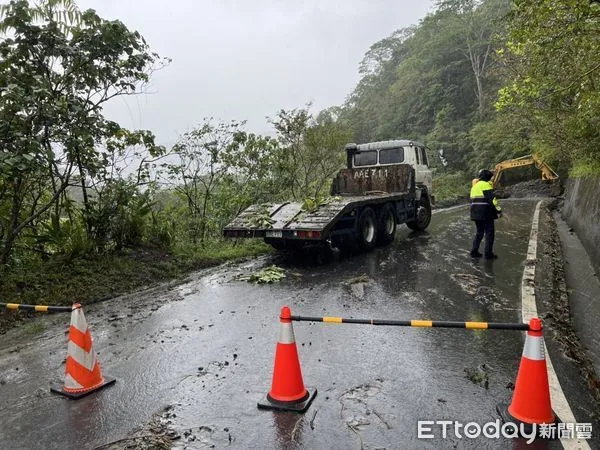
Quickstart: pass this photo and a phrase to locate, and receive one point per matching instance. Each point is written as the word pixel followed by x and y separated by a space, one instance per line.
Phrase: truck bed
pixel 289 217
pixel 351 188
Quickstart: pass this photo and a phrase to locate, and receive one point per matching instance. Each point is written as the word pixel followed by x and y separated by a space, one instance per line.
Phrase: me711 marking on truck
pixel 371 173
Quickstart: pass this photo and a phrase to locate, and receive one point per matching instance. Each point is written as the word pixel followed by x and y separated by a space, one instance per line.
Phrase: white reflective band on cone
pixel 87 360
pixel 78 320
pixel 286 333
pixel 534 348
pixel 70 383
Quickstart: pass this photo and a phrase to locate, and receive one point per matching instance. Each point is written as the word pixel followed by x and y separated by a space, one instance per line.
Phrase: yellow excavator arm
pixel 547 172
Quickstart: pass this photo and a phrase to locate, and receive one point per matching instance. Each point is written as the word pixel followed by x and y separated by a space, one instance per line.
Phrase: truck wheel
pixel 423 215
pixel 387 224
pixel 367 229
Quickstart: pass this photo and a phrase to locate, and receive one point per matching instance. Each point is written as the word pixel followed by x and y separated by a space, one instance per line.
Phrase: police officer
pixel 484 210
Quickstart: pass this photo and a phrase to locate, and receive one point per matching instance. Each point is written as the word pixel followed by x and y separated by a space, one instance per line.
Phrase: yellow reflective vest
pixel 484 205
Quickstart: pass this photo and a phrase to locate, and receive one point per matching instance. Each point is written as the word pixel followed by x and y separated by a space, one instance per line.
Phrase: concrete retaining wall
pixel 581 210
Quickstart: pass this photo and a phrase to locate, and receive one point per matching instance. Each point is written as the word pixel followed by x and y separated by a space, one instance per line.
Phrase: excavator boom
pixel 547 172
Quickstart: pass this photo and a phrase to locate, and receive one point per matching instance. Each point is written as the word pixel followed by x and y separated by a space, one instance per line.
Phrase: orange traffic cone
pixel 82 373
pixel 531 399
pixel 287 390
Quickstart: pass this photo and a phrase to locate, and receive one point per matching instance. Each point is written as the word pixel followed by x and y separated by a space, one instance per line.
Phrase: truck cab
pixel 387 153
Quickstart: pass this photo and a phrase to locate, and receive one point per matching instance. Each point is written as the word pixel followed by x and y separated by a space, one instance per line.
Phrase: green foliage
pixel 67 190
pixel 433 82
pixel 58 67
pixel 220 250
pixel 89 278
pixel 475 77
pixel 583 168
pixel 268 275
pixel 261 218
pixel 311 151
pixel 63 11
pixel 486 80
pixel 218 170
pixel 67 238
pixel 118 215
pixel 502 137
pixel 552 77
pixel 312 204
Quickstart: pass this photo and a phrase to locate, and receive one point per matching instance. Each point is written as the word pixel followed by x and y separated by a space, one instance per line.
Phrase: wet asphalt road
pixel 206 348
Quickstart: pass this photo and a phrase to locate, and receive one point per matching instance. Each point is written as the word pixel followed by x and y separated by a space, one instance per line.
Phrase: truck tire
pixel 423 215
pixel 386 221
pixel 367 229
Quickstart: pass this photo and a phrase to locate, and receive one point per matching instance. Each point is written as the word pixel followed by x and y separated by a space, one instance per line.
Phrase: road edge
pixel 560 403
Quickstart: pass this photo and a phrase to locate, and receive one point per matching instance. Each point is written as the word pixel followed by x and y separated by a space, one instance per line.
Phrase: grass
pixel 99 277
pixel 218 252
pixel 35 328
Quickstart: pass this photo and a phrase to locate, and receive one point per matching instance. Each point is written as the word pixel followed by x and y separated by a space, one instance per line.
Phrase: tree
pixel 433 82
pixel 252 176
pixel 478 24
pixel 311 151
pixel 364 109
pixel 553 76
pixel 58 67
pixel 201 164
pixel 217 170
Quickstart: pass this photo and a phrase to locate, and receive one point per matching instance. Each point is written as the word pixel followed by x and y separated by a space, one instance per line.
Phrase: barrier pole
pixel 418 323
pixel 37 308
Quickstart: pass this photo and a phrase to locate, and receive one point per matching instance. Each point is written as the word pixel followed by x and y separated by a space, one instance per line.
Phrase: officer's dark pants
pixel 484 227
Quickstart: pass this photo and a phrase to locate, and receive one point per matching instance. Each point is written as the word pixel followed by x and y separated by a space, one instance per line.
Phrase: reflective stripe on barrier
pixel 37 308
pixel 419 323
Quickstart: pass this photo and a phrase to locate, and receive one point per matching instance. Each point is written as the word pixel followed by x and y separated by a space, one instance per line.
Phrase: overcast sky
pixel 246 59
